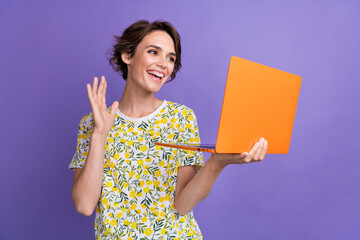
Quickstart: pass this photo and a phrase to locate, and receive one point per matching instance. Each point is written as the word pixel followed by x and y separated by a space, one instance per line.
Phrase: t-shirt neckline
pixel 141 119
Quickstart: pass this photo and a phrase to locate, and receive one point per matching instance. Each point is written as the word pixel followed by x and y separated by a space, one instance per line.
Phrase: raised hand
pixel 103 120
pixel 257 153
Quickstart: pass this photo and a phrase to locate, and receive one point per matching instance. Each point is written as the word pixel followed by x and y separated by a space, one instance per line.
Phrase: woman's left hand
pixel 257 153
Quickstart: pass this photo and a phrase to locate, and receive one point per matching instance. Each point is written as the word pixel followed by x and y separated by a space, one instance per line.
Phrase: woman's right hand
pixel 103 120
pixel 257 153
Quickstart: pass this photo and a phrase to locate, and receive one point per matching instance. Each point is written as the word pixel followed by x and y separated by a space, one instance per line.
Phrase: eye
pixel 154 52
pixel 171 59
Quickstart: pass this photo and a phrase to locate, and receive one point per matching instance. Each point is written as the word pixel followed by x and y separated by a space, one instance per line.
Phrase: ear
pixel 126 58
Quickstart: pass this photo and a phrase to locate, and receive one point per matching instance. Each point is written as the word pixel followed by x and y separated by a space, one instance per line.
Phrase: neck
pixel 136 103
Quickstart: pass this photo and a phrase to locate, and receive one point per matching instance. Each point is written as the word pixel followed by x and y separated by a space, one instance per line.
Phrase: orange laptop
pixel 259 101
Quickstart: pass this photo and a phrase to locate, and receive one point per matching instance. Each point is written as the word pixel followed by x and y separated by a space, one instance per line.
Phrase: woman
pixel 143 191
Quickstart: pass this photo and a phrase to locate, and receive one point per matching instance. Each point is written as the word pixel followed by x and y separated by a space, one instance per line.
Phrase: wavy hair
pixel 133 35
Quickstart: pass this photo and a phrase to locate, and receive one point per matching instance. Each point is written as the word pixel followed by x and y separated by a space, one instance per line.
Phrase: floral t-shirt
pixel 137 199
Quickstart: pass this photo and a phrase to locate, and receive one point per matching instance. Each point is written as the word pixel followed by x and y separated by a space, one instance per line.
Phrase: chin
pixel 156 87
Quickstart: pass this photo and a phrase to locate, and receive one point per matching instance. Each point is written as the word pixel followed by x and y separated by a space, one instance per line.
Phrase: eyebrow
pixel 159 48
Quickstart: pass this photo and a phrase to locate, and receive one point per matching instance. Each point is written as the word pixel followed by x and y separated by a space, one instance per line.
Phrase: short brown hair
pixel 133 35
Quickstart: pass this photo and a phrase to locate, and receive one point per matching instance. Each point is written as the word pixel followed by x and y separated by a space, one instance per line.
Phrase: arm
pixel 192 189
pixel 88 180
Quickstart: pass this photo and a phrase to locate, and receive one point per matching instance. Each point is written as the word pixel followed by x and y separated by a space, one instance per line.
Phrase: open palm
pixel 103 120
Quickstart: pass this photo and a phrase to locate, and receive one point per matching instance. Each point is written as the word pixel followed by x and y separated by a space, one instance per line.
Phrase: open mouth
pixel 157 76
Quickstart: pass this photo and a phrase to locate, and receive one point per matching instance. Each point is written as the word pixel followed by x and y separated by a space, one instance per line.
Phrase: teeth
pixel 160 75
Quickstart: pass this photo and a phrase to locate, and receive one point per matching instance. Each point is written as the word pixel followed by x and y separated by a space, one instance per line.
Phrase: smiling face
pixel 152 63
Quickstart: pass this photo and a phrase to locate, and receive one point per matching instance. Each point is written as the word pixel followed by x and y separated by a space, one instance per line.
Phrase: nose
pixel 162 63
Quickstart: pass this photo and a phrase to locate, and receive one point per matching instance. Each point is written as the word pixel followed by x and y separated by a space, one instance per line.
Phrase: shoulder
pixel 87 120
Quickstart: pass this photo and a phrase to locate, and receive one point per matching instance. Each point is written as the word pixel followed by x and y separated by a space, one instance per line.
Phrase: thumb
pixel 244 154
pixel 114 106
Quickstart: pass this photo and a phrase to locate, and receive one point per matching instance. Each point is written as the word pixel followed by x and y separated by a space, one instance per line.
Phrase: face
pixel 152 63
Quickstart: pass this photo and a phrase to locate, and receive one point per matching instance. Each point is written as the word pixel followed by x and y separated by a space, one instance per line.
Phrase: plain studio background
pixel 49 50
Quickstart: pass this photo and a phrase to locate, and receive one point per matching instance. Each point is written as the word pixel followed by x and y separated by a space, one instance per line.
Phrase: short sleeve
pixel 189 134
pixel 83 142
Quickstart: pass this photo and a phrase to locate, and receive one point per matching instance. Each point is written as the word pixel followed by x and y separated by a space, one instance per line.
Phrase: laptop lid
pixel 259 101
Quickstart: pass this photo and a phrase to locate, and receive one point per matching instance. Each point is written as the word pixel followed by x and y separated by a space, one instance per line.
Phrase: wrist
pixel 96 134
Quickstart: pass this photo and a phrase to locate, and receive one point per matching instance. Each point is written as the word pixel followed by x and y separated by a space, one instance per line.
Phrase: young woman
pixel 143 191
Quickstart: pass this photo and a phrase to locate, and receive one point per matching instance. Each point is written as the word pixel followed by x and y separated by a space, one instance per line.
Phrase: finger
pixel 95 85
pixel 100 93
pixel 235 157
pixel 91 99
pixel 244 154
pixel 114 107
pixel 263 154
pixel 103 100
pixel 251 153
pixel 259 150
pixel 89 91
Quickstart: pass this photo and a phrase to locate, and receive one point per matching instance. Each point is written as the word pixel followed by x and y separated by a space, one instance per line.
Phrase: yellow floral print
pixel 139 180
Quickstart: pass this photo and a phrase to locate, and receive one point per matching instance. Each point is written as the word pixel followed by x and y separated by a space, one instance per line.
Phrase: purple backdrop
pixel 49 50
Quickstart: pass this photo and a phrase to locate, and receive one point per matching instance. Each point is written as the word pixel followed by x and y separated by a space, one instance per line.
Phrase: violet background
pixel 49 50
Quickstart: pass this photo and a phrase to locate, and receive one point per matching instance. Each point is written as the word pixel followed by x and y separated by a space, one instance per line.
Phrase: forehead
pixel 160 39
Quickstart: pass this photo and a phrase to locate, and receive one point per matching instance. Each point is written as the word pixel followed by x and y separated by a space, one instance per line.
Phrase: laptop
pixel 259 101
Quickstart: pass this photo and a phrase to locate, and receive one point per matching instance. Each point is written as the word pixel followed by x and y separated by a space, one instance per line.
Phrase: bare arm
pixel 192 189
pixel 88 180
